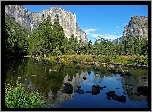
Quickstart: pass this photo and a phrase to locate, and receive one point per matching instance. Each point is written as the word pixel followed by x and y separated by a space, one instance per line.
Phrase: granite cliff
pixel 31 20
pixel 137 26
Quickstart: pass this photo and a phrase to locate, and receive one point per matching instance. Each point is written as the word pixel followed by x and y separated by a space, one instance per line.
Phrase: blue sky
pixel 107 21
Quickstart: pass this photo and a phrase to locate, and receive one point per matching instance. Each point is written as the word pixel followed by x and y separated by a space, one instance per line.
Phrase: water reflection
pixel 76 86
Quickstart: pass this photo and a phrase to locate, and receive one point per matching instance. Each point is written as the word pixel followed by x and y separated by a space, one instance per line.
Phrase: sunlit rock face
pixel 137 26
pixel 31 20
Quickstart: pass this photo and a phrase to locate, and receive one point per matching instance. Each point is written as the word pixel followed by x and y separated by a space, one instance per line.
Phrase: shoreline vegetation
pixel 138 61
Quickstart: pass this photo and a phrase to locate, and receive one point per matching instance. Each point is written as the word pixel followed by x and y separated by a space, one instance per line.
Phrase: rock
pixel 130 85
pixel 78 87
pixel 137 27
pixel 80 91
pixel 68 88
pixel 125 84
pixel 143 90
pixel 121 98
pixel 104 87
pixel 31 20
pixel 128 74
pixel 144 77
pixel 84 78
pixel 137 94
pixel 108 98
pixel 112 94
pixel 96 89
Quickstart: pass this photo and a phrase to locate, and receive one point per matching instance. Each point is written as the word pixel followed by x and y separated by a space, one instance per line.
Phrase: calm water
pixel 39 76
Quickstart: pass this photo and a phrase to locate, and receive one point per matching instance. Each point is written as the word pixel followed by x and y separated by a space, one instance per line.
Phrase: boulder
pixel 111 94
pixel 121 98
pixel 143 90
pixel 84 78
pixel 95 89
pixel 68 88
pixel 80 91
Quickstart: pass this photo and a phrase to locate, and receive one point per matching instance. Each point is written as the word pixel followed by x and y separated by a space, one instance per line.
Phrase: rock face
pixel 31 20
pixel 137 26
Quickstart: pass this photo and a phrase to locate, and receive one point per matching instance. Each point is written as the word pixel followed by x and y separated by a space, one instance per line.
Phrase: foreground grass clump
pixel 18 97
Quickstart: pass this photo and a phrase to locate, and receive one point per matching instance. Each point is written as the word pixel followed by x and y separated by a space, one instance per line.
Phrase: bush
pixel 53 59
pixel 106 59
pixel 18 97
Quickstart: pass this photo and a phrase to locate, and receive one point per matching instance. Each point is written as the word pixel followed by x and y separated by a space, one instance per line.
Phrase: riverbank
pixel 138 61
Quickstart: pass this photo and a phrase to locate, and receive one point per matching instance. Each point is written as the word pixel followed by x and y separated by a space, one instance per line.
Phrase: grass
pixel 18 97
pixel 90 59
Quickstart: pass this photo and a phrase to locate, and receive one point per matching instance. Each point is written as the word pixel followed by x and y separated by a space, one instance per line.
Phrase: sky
pixel 106 21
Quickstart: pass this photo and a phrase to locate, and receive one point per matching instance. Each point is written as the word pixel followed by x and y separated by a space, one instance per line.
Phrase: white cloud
pixel 88 31
pixel 117 26
pixel 106 36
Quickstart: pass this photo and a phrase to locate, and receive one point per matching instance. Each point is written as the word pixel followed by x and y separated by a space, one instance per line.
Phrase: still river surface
pixel 43 77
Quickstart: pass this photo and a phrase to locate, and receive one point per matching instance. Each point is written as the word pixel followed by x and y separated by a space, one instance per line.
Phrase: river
pixel 49 79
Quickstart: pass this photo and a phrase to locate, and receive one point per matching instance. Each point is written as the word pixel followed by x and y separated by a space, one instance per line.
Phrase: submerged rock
pixel 108 98
pixel 84 78
pixel 126 73
pixel 78 87
pixel 68 88
pixel 96 89
pixel 80 91
pixel 143 90
pixel 121 98
pixel 111 94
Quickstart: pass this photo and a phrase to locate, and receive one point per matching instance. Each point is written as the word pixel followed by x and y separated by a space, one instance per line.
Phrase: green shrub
pixel 18 97
pixel 53 59
pixel 106 59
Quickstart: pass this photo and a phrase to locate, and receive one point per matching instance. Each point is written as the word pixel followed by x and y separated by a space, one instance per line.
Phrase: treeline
pixel 49 40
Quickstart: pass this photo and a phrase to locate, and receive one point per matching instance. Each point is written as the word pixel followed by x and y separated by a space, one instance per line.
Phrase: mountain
pixel 31 20
pixel 137 26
